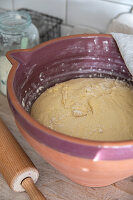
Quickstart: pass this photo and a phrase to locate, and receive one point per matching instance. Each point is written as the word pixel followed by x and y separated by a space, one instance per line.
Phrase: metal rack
pixel 49 27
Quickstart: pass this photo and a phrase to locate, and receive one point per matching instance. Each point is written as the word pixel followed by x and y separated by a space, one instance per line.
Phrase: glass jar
pixel 16 32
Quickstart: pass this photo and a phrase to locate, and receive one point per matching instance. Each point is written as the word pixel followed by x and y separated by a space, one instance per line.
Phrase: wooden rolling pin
pixel 16 167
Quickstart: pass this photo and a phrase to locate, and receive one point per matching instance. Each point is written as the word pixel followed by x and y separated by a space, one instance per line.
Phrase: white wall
pixel 95 14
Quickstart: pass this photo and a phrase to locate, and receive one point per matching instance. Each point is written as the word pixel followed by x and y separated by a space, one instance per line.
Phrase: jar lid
pixel 14 21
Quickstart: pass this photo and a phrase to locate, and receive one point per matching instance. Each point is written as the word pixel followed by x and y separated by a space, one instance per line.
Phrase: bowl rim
pixel 34 123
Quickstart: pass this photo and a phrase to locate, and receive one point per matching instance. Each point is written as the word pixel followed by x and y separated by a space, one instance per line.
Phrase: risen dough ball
pixel 90 108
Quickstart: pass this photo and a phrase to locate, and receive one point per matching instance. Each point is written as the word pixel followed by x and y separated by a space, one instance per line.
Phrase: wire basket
pixel 49 27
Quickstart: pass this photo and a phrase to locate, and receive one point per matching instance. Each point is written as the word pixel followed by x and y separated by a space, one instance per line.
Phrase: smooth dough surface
pixel 90 108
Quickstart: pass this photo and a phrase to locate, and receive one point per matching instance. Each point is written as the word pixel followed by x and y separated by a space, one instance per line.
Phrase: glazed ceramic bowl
pixel 86 162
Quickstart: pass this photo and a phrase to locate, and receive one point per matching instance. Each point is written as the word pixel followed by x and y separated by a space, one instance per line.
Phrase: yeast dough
pixel 90 108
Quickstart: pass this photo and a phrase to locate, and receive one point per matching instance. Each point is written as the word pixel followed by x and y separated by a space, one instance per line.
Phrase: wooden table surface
pixel 53 184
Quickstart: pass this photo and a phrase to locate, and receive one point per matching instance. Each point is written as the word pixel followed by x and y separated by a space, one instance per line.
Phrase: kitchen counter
pixel 52 184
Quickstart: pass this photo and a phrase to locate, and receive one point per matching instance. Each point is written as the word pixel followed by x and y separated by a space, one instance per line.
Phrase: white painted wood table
pixel 53 184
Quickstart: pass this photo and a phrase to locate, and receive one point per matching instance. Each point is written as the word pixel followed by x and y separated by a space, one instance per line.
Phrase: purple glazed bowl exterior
pixel 35 70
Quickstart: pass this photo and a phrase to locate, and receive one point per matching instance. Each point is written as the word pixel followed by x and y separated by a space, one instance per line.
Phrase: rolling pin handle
pixel 32 190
